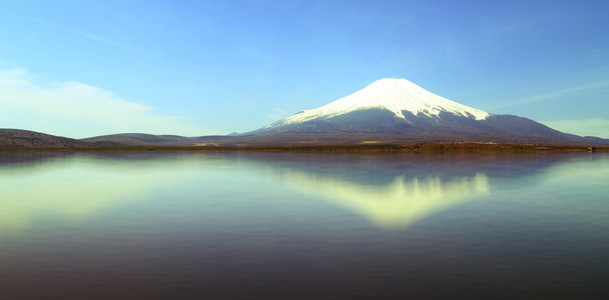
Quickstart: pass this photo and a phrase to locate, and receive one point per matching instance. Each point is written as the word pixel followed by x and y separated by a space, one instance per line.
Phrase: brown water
pixel 303 226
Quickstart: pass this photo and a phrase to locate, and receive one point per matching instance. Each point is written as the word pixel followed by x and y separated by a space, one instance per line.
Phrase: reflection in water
pixel 71 192
pixel 75 188
pixel 78 187
pixel 396 204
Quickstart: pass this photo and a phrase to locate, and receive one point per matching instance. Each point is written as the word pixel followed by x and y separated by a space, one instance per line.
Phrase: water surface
pixel 242 225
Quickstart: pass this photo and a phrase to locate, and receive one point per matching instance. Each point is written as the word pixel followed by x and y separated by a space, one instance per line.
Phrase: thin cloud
pixel 587 127
pixel 554 94
pixel 102 39
pixel 277 114
pixel 505 28
pixel 88 35
pixel 79 110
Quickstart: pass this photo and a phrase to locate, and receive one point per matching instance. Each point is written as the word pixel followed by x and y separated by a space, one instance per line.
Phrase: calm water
pixel 303 226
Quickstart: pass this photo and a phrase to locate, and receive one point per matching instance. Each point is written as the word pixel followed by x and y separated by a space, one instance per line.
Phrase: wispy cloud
pixel 554 94
pixel 277 114
pixel 102 39
pixel 88 35
pixel 587 127
pixel 79 110
pixel 505 28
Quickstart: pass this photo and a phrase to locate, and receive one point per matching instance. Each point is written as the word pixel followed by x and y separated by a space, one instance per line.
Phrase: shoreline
pixel 419 147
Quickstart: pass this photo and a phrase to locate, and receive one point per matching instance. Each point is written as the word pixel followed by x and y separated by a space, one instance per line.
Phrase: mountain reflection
pixel 390 191
pixel 399 203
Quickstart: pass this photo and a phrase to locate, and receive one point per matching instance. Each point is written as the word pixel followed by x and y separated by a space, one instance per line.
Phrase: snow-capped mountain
pixel 399 96
pixel 402 109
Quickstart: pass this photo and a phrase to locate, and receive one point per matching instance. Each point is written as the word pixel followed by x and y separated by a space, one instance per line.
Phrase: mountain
pixel 386 104
pixel 17 138
pixel 25 139
pixel 397 110
pixel 138 139
pixel 142 139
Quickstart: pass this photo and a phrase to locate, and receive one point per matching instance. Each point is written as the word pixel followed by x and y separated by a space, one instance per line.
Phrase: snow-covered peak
pixel 393 94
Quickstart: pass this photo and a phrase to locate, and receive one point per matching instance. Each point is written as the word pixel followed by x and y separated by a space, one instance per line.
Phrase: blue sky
pixel 86 68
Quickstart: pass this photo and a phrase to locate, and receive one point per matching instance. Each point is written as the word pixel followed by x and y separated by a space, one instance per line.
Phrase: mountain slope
pixel 405 111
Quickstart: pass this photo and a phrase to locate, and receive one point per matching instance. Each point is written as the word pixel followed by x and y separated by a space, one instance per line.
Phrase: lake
pixel 261 225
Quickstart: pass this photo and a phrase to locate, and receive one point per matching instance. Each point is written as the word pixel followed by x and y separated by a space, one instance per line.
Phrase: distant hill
pixel 138 139
pixel 25 139
pixel 17 138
